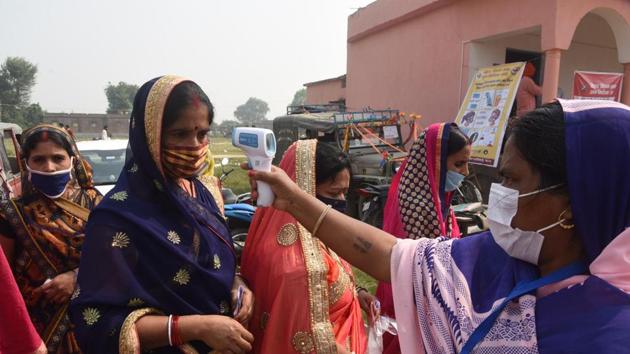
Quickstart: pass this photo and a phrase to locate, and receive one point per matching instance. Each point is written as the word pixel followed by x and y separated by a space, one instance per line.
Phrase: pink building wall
pixel 325 91
pixel 593 49
pixel 414 55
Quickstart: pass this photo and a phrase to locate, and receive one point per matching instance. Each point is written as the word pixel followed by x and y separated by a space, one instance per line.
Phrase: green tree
pixel 226 126
pixel 17 78
pixel 299 98
pixel 252 111
pixel 31 115
pixel 25 117
pixel 120 97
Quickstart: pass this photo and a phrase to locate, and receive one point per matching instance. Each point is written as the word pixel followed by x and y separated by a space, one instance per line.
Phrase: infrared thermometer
pixel 259 146
pixel 239 300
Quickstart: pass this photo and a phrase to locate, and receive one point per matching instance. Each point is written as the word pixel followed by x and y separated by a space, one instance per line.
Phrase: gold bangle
pixel 319 221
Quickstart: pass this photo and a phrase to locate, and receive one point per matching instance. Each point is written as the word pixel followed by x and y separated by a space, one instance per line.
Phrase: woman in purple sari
pixel 552 275
pixel 158 265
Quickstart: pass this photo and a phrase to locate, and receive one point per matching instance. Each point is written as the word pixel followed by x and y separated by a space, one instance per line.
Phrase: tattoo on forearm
pixel 362 245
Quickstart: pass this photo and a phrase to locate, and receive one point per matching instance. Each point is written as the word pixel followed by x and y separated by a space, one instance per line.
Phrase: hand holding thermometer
pixel 259 146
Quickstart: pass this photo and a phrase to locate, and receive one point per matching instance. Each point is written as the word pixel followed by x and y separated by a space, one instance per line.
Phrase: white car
pixel 107 158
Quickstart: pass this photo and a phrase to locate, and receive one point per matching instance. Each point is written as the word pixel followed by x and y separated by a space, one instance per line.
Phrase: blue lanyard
pixel 521 288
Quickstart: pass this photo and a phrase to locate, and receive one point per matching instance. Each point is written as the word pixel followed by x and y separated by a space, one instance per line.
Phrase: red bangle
pixel 176 338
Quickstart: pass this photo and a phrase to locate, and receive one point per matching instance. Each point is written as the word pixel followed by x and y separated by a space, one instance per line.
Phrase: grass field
pixel 237 179
pixel 365 281
pixel 223 146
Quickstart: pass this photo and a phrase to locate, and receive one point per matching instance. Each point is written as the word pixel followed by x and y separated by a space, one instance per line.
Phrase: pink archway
pixel 559 37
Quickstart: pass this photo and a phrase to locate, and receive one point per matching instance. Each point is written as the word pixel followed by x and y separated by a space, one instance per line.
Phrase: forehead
pixel 463 153
pixel 341 180
pixel 192 117
pixel 47 147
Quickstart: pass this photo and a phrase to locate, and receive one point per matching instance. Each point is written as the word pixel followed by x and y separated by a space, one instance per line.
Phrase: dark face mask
pixel 337 204
pixel 51 184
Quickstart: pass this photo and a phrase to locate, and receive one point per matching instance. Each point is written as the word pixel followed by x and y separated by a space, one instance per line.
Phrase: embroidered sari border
pixel 154 112
pixel 321 328
pixel 128 341
pixel 57 328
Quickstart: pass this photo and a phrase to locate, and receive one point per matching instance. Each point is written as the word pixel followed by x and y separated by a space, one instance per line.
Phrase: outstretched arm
pixel 364 246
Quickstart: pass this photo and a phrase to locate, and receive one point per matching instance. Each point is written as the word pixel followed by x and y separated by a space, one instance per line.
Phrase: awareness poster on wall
pixel 588 85
pixel 484 114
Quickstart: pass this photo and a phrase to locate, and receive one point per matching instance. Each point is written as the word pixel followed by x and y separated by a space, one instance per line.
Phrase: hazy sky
pixel 234 49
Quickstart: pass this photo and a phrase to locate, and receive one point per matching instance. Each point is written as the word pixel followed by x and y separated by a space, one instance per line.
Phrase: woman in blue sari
pixel 552 275
pixel 158 265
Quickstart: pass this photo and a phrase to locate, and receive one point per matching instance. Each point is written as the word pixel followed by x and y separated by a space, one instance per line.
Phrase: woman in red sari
pixel 306 300
pixel 17 333
pixel 424 185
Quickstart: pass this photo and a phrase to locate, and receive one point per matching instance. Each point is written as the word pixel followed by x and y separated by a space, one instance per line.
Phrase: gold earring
pixel 565 226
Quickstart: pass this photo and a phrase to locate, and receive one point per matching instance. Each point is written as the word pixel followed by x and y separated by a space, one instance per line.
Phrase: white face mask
pixel 502 206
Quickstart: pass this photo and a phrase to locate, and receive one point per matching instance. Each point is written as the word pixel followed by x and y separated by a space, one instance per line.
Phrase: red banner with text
pixel 597 86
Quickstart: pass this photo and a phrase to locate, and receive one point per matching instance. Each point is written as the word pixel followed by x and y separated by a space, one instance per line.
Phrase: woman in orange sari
pixel 306 300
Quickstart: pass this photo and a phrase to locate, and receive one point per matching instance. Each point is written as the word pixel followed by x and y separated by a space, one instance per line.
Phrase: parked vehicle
pixel 468 206
pixel 228 195
pixel 471 218
pixel 373 141
pixel 372 199
pixel 107 158
pixel 238 209
pixel 293 127
pixel 10 173
pixel 239 217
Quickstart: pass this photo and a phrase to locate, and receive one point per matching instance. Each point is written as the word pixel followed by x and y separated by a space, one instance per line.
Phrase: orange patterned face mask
pixel 184 161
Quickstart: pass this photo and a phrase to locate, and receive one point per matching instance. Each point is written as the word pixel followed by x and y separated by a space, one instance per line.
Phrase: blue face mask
pixel 338 204
pixel 453 180
pixel 51 184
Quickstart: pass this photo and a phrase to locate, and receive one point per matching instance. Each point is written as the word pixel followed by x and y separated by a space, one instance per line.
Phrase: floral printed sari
pixel 49 235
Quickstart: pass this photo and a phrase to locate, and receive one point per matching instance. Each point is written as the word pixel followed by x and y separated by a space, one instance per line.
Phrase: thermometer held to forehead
pixel 259 146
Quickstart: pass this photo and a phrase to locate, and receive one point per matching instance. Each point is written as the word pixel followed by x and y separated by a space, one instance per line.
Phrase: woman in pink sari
pixel 306 300
pixel 437 163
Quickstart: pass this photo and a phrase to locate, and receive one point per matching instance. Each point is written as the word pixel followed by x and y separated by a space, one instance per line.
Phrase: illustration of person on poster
pixel 484 113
